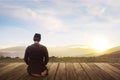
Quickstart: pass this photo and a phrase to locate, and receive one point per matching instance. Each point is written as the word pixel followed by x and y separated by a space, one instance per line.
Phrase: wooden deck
pixel 64 71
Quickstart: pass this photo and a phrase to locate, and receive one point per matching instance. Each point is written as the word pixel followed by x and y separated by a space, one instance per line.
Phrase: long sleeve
pixel 26 56
pixel 46 56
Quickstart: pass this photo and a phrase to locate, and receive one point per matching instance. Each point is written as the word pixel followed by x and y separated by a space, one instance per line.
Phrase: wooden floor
pixel 64 71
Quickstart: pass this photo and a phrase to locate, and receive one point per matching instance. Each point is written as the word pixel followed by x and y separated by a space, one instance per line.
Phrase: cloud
pixel 65 16
pixel 14 36
pixel 61 14
pixel 95 8
pixel 53 10
pixel 96 11
pixel 44 18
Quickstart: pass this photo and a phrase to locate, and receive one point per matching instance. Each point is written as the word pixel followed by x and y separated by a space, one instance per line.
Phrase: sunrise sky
pixel 61 22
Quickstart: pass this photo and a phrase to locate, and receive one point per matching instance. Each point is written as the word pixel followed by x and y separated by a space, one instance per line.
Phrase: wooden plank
pixel 61 73
pixel 52 71
pixel 109 71
pixel 112 68
pixel 81 75
pixel 71 75
pixel 99 72
pixel 18 72
pixel 48 65
pixel 8 68
pixel 3 65
pixel 13 74
pixel 117 65
pixel 91 73
pixel 25 75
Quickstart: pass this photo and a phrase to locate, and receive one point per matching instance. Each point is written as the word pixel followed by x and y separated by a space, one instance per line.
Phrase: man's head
pixel 37 37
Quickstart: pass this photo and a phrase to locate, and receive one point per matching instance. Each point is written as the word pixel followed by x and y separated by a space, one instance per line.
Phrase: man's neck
pixel 36 42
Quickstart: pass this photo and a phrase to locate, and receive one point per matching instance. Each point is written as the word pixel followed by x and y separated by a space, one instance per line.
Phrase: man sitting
pixel 36 57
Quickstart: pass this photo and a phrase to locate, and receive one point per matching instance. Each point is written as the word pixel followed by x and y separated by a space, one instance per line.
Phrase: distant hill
pixel 53 51
pixel 111 50
pixel 62 52
pixel 13 51
pixel 115 54
pixel 112 53
pixel 69 52
pixel 17 48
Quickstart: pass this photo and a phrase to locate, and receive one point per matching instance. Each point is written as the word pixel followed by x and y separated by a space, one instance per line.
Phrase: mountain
pixel 13 51
pixel 69 52
pixel 65 51
pixel 111 50
pixel 18 48
pixel 115 54
pixel 53 51
pixel 112 53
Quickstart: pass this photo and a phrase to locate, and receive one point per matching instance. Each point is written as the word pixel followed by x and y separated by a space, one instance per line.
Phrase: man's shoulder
pixel 33 45
pixel 42 45
pixel 29 46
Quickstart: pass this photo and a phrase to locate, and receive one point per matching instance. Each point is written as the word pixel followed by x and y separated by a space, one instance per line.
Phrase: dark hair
pixel 37 37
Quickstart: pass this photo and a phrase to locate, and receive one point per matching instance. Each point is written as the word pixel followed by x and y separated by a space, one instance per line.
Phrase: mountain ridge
pixel 19 51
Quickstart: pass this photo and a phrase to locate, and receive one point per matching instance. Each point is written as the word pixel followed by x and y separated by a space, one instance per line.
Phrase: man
pixel 36 57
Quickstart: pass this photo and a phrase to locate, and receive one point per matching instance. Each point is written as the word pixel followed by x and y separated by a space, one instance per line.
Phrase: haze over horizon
pixel 61 22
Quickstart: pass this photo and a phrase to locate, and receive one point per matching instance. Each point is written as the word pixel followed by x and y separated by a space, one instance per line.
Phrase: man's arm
pixel 46 56
pixel 26 56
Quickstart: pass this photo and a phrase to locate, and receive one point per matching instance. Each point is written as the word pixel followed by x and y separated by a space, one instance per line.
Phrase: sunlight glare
pixel 100 44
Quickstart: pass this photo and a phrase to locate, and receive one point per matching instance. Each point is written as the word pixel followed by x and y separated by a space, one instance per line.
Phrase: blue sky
pixel 61 22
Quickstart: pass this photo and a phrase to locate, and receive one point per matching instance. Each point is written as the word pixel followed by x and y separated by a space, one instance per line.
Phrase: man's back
pixel 37 53
pixel 36 57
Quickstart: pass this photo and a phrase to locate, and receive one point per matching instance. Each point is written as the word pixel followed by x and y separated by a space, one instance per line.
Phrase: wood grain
pixel 109 71
pixel 63 71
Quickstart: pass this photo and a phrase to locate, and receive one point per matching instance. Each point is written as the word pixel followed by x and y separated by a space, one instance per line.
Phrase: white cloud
pixel 97 11
pixel 95 8
pixel 85 14
pixel 83 18
pixel 90 7
pixel 39 17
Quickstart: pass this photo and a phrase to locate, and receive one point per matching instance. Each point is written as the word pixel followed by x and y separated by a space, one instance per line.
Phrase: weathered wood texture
pixel 63 71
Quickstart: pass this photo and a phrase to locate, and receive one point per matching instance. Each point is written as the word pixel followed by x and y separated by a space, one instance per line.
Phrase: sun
pixel 100 44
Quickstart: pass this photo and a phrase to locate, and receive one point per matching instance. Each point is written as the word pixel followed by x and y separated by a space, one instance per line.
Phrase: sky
pixel 60 22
